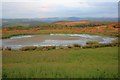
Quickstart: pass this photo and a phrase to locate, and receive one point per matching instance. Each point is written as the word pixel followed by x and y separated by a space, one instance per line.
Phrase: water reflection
pixel 53 40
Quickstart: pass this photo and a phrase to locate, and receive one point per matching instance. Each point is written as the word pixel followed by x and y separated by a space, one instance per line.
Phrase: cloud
pixel 59 8
pixel 60 0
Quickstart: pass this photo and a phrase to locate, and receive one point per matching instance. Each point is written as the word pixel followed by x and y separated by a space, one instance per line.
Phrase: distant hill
pixel 36 21
pixel 21 23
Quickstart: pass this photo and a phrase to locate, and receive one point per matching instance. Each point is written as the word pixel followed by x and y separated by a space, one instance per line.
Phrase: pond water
pixel 53 40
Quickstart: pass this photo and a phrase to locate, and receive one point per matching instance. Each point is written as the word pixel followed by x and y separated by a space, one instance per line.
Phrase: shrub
pixel 76 45
pixel 108 45
pixel 99 45
pixel 28 48
pixel 95 45
pixel 91 42
pixel 52 47
pixel 61 47
pixel 87 46
pixel 39 48
pixel 114 44
pixel 44 48
pixel 8 48
pixel 49 47
pixel 69 46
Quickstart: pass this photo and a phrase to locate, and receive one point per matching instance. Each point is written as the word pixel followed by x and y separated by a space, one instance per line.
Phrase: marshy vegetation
pixel 89 44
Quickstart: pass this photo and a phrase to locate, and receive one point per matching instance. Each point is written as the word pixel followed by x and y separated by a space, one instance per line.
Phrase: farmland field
pixel 61 63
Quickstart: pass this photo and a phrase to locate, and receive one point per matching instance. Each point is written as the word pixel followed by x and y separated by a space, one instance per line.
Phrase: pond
pixel 53 40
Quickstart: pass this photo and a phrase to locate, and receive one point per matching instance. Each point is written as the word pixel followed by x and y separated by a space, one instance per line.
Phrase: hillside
pixel 72 22
pixel 21 23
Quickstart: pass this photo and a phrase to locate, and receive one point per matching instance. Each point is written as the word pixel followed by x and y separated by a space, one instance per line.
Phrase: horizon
pixel 61 17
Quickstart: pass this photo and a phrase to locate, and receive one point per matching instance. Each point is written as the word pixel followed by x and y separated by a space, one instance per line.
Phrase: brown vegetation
pixel 104 28
pixel 71 22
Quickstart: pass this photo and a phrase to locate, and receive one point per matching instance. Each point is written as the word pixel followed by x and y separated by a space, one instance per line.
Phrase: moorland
pixel 65 62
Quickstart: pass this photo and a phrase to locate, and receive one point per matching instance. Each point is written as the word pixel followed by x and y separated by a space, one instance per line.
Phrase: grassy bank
pixel 106 32
pixel 11 34
pixel 61 63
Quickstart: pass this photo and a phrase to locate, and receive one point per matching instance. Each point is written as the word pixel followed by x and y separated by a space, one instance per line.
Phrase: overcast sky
pixel 59 8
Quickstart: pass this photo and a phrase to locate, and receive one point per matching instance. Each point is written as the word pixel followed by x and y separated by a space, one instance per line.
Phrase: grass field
pixel 61 63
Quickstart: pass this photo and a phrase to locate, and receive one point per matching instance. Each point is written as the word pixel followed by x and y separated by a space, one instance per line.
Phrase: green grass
pixel 61 63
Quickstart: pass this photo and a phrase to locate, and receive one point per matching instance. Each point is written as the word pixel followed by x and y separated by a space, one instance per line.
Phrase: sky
pixel 59 8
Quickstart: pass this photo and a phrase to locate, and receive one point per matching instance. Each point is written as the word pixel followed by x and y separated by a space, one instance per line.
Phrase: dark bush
pixel 95 46
pixel 61 47
pixel 8 49
pixel 76 45
pixel 99 45
pixel 69 46
pixel 49 47
pixel 44 48
pixel 87 46
pixel 27 48
pixel 91 42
